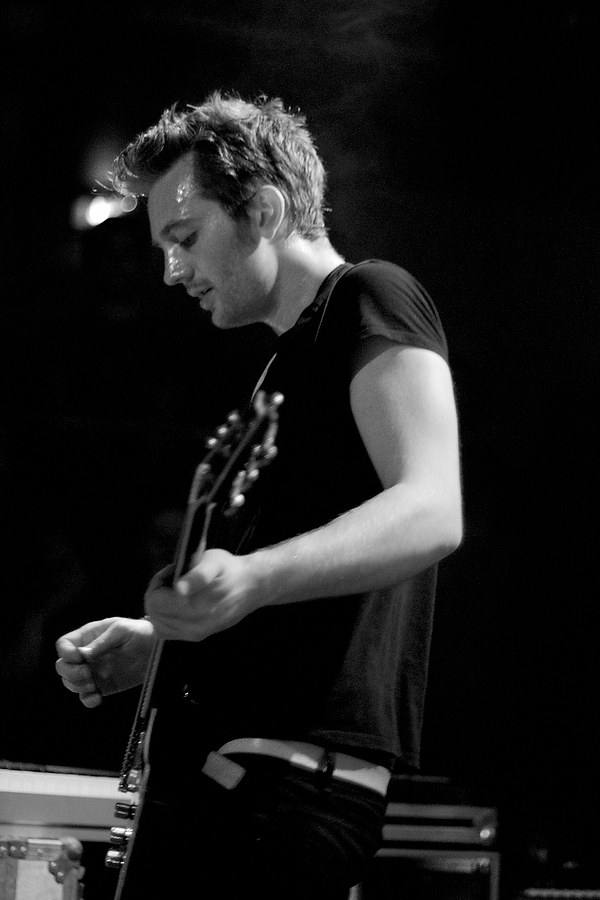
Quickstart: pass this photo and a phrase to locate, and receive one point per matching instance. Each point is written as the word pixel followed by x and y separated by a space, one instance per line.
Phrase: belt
pixel 314 759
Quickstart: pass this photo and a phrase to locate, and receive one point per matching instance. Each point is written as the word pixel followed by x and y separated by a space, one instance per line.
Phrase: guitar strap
pixel 334 278
pixel 325 306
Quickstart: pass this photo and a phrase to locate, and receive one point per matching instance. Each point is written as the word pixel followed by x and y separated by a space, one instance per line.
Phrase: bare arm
pixel 402 400
pixel 403 404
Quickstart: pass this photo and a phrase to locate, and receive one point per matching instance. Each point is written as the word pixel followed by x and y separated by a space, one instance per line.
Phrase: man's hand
pixel 214 595
pixel 104 657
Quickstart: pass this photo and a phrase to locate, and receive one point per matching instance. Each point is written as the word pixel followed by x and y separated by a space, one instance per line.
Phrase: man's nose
pixel 177 271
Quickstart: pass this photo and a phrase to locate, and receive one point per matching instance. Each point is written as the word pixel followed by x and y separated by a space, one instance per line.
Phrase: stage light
pixel 99 210
pixel 129 203
pixel 88 211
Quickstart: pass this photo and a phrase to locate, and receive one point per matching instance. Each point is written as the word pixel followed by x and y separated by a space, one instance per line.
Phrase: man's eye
pixel 189 241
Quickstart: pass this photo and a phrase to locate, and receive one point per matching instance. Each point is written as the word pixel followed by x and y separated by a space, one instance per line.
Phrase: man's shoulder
pixel 385 282
pixel 381 275
pixel 393 304
pixel 378 268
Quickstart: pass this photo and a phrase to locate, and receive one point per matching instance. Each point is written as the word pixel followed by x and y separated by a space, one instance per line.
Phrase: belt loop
pixel 326 769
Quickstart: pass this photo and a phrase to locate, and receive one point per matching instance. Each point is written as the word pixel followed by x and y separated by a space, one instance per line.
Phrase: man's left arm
pixel 402 399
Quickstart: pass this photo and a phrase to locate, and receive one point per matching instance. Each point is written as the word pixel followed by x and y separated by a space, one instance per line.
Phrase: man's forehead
pixel 169 198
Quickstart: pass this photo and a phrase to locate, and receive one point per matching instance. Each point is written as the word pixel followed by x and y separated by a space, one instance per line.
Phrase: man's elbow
pixel 451 543
pixel 449 532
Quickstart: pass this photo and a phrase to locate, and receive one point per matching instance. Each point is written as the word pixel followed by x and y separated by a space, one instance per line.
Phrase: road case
pixel 40 869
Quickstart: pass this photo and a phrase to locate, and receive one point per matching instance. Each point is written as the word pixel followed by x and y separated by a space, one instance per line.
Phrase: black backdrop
pixel 460 142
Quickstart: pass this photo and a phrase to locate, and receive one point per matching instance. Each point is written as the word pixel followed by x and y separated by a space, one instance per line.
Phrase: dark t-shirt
pixel 344 671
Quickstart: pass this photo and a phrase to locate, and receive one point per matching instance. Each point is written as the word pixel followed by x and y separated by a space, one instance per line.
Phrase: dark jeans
pixel 281 834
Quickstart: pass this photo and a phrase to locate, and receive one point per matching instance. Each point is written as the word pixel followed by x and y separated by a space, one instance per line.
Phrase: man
pixel 305 650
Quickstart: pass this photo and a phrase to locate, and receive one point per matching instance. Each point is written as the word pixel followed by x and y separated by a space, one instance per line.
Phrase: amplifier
pixel 437 845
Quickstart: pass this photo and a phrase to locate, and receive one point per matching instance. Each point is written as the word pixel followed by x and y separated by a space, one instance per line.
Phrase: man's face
pixel 217 259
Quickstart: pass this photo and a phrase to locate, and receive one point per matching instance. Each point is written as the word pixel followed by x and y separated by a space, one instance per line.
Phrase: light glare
pixel 98 211
pixel 88 212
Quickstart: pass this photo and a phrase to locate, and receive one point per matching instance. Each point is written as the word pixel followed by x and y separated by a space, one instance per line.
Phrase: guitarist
pixel 304 646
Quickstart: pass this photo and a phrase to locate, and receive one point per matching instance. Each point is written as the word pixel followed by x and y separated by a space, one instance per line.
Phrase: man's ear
pixel 267 210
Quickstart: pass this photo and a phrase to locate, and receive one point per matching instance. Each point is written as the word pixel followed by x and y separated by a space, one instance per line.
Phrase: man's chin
pixel 221 320
pixel 218 319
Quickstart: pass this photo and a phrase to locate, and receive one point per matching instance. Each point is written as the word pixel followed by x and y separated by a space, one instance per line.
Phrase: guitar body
pixel 152 844
pixel 133 863
pixel 236 454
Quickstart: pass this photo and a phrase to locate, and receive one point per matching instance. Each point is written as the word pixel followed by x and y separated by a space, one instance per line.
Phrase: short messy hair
pixel 237 146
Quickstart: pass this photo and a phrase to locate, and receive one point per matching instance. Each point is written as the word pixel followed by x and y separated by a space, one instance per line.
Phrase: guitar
pixel 236 453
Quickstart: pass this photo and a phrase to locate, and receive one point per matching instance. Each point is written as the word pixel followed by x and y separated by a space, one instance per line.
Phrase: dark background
pixel 460 141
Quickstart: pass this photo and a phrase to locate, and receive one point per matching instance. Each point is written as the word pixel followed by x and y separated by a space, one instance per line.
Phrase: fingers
pixel 209 598
pixel 164 578
pixel 72 646
pixel 173 616
pixel 163 602
pixel 77 678
pixel 91 700
pixel 93 640
pixel 75 650
pixel 68 651
pixel 75 673
pixel 203 574
pixel 105 657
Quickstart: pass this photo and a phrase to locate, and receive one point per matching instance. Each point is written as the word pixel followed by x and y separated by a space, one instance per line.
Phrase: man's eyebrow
pixel 174 223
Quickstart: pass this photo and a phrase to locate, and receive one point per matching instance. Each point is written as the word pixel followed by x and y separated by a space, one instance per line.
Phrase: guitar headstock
pixel 245 442
pixel 238 450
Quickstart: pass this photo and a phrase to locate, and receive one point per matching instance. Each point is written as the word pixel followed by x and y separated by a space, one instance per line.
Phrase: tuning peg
pixel 220 434
pixel 263 456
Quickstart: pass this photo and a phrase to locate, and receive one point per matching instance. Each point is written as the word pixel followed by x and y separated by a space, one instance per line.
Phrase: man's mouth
pixel 204 303
pixel 200 295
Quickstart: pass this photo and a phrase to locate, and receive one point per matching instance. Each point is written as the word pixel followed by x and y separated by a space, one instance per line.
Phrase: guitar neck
pixel 237 452
pixel 132 763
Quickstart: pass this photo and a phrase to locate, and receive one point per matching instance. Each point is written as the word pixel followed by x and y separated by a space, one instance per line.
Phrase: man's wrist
pixel 265 586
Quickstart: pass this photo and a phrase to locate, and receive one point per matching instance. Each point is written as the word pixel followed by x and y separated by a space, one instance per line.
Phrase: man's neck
pixel 304 265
